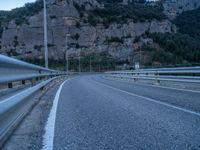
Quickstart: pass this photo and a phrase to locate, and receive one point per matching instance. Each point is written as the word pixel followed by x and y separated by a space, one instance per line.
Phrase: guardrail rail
pixel 182 74
pixel 12 109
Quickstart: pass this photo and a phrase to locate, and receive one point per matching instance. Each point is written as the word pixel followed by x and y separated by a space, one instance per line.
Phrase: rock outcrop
pixel 63 18
pixel 174 7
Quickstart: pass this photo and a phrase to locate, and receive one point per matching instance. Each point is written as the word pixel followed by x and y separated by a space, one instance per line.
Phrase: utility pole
pixel 67 62
pixel 90 65
pixel 140 59
pixel 45 35
pixel 66 55
pixel 79 65
pixel 99 68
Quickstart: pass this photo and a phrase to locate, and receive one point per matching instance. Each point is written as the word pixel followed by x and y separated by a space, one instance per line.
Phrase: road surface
pixel 95 113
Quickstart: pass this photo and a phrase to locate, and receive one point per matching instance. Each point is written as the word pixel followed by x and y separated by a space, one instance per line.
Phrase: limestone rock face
pixel 174 7
pixel 63 18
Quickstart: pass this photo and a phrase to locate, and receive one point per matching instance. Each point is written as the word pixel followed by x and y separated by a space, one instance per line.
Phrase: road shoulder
pixel 29 133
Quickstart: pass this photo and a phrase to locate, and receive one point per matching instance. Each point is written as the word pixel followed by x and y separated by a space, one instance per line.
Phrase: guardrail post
pixel 32 81
pixel 42 89
pixel 23 82
pixel 157 75
pixel 10 85
pixel 158 81
pixel 21 67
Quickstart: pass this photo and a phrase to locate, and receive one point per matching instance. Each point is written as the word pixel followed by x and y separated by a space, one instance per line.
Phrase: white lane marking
pixel 48 137
pixel 152 100
pixel 171 88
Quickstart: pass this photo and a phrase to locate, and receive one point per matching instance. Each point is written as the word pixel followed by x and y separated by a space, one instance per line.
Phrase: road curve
pixel 95 113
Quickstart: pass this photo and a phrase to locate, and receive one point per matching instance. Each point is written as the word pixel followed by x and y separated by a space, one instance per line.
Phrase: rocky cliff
pixel 172 8
pixel 67 17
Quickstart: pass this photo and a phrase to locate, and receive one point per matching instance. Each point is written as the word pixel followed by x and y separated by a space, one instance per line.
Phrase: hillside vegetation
pixel 189 23
pixel 20 14
pixel 182 47
pixel 116 12
pixel 121 13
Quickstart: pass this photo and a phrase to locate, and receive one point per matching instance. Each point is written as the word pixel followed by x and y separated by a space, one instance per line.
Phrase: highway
pixel 96 113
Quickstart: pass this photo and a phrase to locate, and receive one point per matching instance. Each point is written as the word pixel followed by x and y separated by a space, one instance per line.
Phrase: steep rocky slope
pixel 89 34
pixel 172 8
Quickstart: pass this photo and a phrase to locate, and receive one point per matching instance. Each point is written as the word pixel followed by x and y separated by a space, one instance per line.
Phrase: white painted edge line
pixel 48 137
pixel 152 100
pixel 164 87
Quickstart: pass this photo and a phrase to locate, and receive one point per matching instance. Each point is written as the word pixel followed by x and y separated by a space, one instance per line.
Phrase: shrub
pixel 115 40
pixel 15 41
pixel 76 37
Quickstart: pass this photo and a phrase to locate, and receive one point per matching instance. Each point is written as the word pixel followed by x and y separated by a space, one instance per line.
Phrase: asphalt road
pixel 95 113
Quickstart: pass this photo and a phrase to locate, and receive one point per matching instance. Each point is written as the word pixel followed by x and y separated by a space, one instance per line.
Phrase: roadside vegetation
pixel 182 47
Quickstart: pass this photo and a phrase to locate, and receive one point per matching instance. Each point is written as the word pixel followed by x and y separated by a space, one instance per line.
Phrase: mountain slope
pixel 117 29
pixel 177 48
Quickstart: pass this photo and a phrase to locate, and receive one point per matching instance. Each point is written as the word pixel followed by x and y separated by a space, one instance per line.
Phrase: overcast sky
pixel 10 4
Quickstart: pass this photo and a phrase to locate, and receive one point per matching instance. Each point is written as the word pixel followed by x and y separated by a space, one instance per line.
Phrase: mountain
pixel 125 30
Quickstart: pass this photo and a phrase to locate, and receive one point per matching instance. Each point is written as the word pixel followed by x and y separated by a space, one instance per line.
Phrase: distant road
pixel 95 113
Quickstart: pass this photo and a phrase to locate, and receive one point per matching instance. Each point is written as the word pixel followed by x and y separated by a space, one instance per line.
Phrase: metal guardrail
pixel 13 108
pixel 182 74
pixel 181 70
pixel 14 70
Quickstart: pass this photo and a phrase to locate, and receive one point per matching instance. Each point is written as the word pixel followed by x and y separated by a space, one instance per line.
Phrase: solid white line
pixel 171 88
pixel 48 137
pixel 152 100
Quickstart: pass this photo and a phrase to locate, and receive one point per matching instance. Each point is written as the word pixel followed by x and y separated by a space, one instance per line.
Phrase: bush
pixel 80 9
pixel 78 25
pixel 76 37
pixel 15 41
pixel 115 40
pixel 110 1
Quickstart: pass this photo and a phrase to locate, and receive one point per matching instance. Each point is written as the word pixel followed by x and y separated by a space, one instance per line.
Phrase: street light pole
pixel 67 61
pixel 79 66
pixel 67 56
pixel 90 65
pixel 45 35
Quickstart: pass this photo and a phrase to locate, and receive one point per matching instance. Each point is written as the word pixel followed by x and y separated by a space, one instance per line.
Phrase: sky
pixel 10 4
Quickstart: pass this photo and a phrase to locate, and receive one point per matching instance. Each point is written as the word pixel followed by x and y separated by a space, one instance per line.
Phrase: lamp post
pixel 45 35
pixel 90 65
pixel 67 56
pixel 79 64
